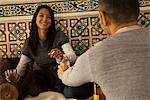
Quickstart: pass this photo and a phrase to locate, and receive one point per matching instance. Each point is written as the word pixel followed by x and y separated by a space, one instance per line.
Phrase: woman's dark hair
pixel 34 37
pixel 120 11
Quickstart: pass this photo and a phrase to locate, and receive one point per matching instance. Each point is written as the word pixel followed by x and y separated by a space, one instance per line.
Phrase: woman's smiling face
pixel 43 19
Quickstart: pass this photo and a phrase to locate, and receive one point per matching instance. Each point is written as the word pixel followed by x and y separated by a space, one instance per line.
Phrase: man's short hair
pixel 120 11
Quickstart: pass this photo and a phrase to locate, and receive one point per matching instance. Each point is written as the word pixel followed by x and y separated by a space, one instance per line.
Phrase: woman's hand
pixel 11 75
pixel 56 53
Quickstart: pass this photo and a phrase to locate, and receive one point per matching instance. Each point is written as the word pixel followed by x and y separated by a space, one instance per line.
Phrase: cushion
pixel 8 92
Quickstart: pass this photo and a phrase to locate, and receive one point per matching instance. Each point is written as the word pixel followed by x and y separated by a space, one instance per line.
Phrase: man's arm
pixel 78 74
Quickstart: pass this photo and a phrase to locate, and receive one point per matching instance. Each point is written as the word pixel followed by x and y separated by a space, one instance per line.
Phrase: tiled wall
pixel 77 18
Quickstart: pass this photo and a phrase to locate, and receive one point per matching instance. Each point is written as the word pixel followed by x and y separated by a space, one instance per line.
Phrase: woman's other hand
pixel 11 75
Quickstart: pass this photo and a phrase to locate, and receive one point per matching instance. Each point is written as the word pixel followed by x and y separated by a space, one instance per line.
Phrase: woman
pixel 41 49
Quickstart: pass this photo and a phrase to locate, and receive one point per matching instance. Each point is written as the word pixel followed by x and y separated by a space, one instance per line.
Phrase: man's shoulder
pixel 139 30
pixel 130 34
pixel 120 39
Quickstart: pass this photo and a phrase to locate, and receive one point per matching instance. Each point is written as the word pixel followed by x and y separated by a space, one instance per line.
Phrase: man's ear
pixel 104 19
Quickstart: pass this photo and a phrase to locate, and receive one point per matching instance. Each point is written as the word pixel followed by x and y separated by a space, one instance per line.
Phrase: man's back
pixel 122 65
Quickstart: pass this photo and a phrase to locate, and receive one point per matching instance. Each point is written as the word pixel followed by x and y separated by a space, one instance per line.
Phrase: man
pixel 121 63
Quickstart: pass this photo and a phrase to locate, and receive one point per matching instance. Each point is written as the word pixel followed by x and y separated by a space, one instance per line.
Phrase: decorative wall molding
pixel 26 1
pixel 4 2
pixel 27 9
pixel 59 6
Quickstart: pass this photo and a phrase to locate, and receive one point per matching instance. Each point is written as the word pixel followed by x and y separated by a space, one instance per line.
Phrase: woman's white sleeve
pixel 69 53
pixel 22 65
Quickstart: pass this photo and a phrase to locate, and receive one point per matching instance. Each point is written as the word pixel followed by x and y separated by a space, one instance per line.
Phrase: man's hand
pixel 11 75
pixel 61 69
